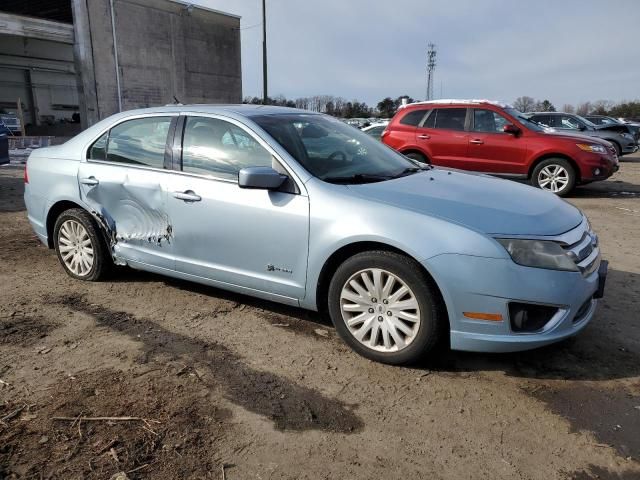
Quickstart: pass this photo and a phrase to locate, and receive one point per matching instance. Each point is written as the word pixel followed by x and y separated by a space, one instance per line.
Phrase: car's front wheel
pixel 554 175
pixel 383 306
pixel 80 247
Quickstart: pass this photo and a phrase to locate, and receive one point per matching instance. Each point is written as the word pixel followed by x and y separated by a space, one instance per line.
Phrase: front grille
pixel 585 252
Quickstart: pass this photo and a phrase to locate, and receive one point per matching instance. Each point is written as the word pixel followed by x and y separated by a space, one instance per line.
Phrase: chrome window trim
pixel 254 135
pixel 250 132
pixel 85 149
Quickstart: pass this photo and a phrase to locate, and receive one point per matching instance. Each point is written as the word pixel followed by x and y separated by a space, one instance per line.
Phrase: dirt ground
pixel 215 383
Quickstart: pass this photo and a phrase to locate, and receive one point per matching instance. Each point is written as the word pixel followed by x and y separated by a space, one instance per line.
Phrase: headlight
pixel 588 147
pixel 538 253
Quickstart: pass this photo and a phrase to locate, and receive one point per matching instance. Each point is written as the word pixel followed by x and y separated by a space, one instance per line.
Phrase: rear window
pixel 138 142
pixel 413 118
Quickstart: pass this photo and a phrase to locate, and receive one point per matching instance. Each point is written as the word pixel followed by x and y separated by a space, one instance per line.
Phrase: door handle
pixel 476 141
pixel 89 181
pixel 424 136
pixel 187 196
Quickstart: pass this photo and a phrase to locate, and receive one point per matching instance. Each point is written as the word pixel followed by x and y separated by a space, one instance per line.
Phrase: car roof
pixel 247 110
pixel 458 101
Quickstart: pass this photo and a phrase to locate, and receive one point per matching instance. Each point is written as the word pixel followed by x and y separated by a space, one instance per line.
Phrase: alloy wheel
pixel 553 178
pixel 380 310
pixel 76 249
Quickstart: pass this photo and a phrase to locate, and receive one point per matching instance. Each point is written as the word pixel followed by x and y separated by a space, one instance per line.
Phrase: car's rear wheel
pixel 80 247
pixel 554 175
pixel 418 157
pixel 384 307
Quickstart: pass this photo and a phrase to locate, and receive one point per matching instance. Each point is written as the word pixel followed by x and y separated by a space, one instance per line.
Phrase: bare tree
pixel 524 104
pixel 583 108
pixel 601 107
pixel 568 108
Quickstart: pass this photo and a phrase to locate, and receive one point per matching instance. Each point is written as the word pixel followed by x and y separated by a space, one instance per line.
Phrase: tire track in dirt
pixel 290 406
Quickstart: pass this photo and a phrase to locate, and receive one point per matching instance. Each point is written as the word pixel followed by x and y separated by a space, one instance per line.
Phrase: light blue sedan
pixel 299 208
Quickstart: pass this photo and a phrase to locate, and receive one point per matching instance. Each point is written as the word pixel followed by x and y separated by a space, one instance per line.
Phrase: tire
pixel 419 337
pixel 75 234
pixel 565 181
pixel 617 147
pixel 418 157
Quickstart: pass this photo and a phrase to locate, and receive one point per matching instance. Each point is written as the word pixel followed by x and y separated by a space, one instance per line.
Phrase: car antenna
pixel 176 101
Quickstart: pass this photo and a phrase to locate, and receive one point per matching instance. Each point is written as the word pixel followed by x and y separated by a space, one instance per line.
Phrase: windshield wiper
pixel 358 178
pixel 412 170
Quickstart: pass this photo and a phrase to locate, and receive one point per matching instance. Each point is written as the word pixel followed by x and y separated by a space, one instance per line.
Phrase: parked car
pixel 11 122
pixel 4 150
pixel 603 120
pixel 375 130
pixel 491 137
pixel 402 256
pixel 618 135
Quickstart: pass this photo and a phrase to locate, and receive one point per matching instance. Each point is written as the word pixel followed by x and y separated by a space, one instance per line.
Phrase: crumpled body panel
pixel 131 207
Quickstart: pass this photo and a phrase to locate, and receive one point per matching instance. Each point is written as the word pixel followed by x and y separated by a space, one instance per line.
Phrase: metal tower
pixel 431 66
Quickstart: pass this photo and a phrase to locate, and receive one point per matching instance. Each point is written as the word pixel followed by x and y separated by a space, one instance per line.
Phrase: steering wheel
pixel 336 154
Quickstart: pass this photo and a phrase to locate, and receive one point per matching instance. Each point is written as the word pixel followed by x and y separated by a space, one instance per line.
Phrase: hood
pixel 490 205
pixel 619 128
pixel 577 136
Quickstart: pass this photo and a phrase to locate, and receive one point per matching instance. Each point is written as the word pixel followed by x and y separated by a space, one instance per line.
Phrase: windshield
pixel 530 124
pixel 334 151
pixel 587 122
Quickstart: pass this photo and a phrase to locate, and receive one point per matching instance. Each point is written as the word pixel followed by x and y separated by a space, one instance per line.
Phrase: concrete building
pixel 97 57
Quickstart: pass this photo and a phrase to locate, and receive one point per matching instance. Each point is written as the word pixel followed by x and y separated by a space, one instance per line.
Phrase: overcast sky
pixel 566 51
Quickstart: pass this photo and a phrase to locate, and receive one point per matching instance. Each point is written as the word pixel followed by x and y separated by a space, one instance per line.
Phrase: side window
pixel 139 142
pixel 451 118
pixel 413 118
pixel 569 122
pixel 488 121
pixel 219 148
pixel 430 122
pixel 544 120
pixel 98 151
pixel 375 131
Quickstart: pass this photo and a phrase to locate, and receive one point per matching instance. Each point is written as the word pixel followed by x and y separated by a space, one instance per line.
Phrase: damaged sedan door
pixel 123 181
pixel 249 240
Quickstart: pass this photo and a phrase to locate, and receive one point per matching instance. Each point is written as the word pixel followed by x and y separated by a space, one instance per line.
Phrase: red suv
pixel 494 138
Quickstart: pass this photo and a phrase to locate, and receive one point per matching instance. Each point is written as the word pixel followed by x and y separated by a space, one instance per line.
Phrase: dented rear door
pixel 123 182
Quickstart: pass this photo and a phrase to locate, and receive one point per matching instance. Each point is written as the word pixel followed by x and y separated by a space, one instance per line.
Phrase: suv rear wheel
pixel 554 175
pixel 384 307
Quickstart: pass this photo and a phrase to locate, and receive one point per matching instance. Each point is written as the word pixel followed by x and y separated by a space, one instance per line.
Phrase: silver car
pixel 299 208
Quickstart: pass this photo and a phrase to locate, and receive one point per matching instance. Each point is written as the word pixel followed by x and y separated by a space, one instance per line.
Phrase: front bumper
pixel 479 284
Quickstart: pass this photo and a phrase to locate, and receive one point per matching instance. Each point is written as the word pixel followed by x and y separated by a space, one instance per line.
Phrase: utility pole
pixel 431 65
pixel 264 53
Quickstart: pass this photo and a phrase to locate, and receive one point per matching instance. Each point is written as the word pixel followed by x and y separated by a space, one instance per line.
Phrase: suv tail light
pixel 26 175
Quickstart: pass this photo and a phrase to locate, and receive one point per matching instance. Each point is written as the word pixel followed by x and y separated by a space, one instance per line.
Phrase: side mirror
pixel 264 178
pixel 582 128
pixel 510 128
